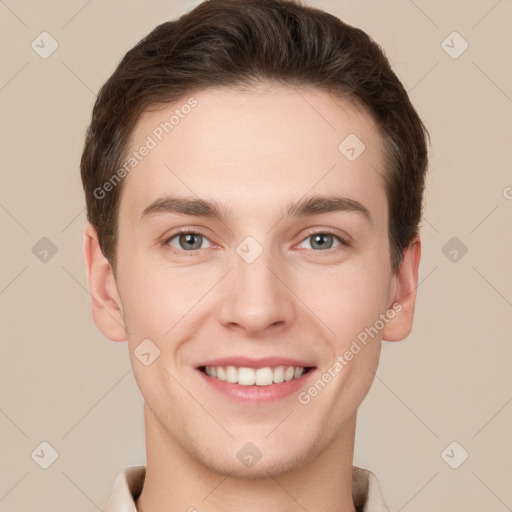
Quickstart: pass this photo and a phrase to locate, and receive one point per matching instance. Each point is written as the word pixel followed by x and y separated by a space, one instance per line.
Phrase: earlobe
pixel 106 304
pixel 406 283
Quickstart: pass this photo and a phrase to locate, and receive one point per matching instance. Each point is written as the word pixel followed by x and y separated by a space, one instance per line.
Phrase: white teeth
pixel 278 374
pixel 289 373
pixel 263 376
pixel 245 376
pixel 259 377
pixel 231 374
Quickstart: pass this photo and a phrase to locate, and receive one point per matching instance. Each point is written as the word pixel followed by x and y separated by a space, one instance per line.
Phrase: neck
pixel 177 481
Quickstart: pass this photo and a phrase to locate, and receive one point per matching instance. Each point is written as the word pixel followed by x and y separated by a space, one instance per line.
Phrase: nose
pixel 256 297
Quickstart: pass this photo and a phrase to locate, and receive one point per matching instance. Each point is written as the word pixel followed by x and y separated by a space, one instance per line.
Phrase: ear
pixel 106 303
pixel 406 283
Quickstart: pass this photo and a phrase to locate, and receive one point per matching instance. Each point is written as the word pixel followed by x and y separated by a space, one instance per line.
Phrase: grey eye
pixel 322 241
pixel 188 241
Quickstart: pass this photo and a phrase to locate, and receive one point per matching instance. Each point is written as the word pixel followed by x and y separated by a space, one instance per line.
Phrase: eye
pixel 192 241
pixel 187 241
pixel 323 241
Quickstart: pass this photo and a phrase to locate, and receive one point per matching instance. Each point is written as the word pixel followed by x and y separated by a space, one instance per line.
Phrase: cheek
pixel 347 300
pixel 157 297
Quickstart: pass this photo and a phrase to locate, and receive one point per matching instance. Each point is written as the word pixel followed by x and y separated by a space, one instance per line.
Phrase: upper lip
pixel 262 362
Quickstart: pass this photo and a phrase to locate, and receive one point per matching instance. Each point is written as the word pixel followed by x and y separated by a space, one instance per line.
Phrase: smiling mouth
pixel 265 376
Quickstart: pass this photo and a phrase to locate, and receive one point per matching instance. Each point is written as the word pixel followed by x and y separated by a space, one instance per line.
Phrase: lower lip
pixel 257 394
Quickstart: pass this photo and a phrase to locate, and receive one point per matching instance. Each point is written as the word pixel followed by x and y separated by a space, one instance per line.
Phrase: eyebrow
pixel 312 205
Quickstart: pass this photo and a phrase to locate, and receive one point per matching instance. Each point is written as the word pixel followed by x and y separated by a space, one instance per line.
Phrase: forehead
pixel 256 149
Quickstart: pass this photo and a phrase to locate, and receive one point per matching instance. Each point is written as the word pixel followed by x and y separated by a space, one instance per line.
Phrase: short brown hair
pixel 236 43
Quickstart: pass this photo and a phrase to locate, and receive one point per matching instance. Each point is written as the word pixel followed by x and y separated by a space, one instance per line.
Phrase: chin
pixel 265 468
pixel 248 460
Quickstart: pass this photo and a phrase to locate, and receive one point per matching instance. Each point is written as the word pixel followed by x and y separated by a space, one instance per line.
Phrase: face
pixel 253 240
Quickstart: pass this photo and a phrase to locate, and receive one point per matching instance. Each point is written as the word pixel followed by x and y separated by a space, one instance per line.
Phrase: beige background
pixel 63 383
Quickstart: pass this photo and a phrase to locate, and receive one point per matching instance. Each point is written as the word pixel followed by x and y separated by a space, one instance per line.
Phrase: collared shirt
pixel 366 490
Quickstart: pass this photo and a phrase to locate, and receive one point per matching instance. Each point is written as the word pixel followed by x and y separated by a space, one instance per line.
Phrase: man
pixel 254 174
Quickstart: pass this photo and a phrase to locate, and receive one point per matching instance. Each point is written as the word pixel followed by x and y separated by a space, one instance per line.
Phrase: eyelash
pixel 165 243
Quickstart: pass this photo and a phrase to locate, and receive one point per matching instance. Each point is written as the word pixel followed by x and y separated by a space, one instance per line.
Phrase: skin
pixel 253 152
